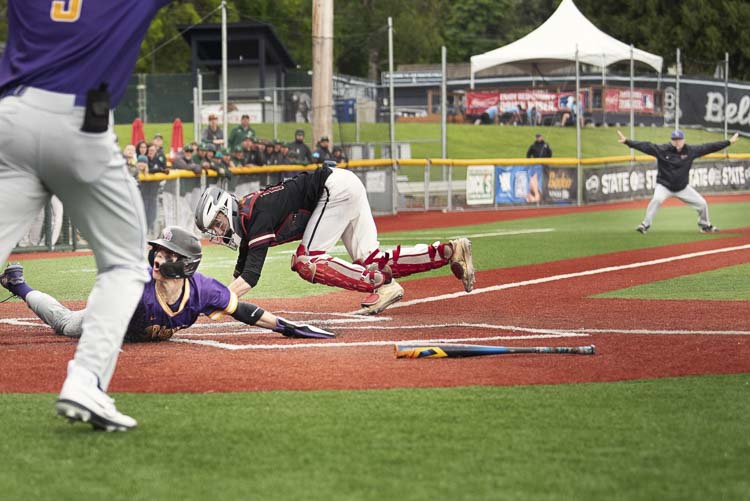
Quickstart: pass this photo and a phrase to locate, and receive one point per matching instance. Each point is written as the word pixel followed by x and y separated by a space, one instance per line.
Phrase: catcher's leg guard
pixel 404 261
pixel 327 270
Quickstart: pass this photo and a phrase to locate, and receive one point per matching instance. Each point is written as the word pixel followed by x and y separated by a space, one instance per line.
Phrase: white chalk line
pixel 565 276
pixel 460 325
pixel 433 235
pixel 676 332
pixel 335 344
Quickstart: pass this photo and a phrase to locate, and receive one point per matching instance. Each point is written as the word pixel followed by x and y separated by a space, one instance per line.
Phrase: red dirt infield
pixel 547 304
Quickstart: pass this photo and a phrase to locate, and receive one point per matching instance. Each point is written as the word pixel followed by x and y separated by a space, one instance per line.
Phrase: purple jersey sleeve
pixel 215 298
pixel 72 46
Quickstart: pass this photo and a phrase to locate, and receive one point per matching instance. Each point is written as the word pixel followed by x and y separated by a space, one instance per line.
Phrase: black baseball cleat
pixel 13 275
pixel 708 228
pixel 642 228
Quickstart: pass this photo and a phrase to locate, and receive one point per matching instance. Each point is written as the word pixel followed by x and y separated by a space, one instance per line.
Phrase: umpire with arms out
pixel 673 162
pixel 65 65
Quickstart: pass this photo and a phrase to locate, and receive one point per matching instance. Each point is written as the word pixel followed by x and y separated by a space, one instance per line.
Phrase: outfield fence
pixel 419 185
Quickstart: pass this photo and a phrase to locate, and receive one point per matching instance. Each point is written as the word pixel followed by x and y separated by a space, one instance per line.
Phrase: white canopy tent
pixel 564 33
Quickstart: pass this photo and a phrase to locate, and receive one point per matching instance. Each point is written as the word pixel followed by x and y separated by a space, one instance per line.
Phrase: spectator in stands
pixel 292 159
pixel 194 148
pixel 201 153
pixel 539 148
pixel 532 116
pixel 240 132
pixel 323 151
pixel 141 167
pixel 158 141
pixel 268 158
pixel 141 148
pixel 570 114
pixel 285 153
pixel 488 116
pixel 157 162
pixel 213 133
pixel 512 114
pixel 238 157
pixel 128 153
pixel 207 159
pixel 250 153
pixel 338 155
pixel 300 149
pixel 278 152
pixel 184 160
pixel 303 104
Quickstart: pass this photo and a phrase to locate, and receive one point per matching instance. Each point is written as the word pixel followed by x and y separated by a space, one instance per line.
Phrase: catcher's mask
pixel 215 216
pixel 185 245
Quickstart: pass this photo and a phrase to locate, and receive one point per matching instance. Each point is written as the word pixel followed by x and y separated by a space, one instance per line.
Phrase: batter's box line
pixel 330 345
pixel 460 325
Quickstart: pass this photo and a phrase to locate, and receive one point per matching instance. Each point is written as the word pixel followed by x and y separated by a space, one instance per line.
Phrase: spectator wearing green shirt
pixel 241 132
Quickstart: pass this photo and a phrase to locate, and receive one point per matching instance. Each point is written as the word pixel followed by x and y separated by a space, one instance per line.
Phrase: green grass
pixel 724 284
pixel 672 439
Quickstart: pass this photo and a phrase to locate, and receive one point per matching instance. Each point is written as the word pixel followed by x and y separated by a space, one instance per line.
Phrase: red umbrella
pixel 136 135
pixel 177 139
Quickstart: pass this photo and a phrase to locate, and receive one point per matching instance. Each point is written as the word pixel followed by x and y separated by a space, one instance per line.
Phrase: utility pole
pixel 322 60
pixel 224 72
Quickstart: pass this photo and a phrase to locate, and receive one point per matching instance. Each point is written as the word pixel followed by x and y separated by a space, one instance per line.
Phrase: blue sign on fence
pixel 518 184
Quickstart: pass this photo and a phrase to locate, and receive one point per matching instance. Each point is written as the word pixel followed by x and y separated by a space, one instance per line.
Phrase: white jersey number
pixel 62 13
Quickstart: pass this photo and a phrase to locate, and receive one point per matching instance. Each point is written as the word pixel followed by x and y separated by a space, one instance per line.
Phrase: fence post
pixel 450 187
pixel 427 184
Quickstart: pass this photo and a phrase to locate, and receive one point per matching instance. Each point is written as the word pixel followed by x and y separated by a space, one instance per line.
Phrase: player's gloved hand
pixel 297 330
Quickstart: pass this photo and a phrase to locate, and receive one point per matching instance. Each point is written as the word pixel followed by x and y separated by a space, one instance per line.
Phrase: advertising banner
pixel 544 101
pixel 519 184
pixel 702 103
pixel 480 188
pixel 477 102
pixel 560 185
pixel 638 181
pixel 620 100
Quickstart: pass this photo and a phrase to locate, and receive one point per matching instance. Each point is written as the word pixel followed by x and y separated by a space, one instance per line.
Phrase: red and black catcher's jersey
pixel 275 215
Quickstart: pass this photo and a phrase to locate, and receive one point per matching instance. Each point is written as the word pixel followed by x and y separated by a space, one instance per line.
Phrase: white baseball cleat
pixel 462 264
pixel 381 299
pixel 82 400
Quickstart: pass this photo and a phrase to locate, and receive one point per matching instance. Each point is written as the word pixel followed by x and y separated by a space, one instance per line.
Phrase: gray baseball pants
pixel 44 152
pixel 687 195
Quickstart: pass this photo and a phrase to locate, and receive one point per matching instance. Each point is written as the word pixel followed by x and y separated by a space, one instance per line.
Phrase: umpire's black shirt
pixel 673 166
pixel 539 149
pixel 276 215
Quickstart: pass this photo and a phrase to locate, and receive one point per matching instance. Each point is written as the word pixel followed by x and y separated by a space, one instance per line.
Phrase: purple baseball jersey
pixel 72 46
pixel 155 320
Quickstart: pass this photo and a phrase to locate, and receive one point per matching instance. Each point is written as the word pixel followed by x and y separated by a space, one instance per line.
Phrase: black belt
pixel 12 90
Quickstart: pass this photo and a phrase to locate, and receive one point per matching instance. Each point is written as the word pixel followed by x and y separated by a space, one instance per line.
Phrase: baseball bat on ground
pixel 473 350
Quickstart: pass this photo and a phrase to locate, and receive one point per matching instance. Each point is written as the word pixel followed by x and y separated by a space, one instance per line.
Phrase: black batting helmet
pixel 184 244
